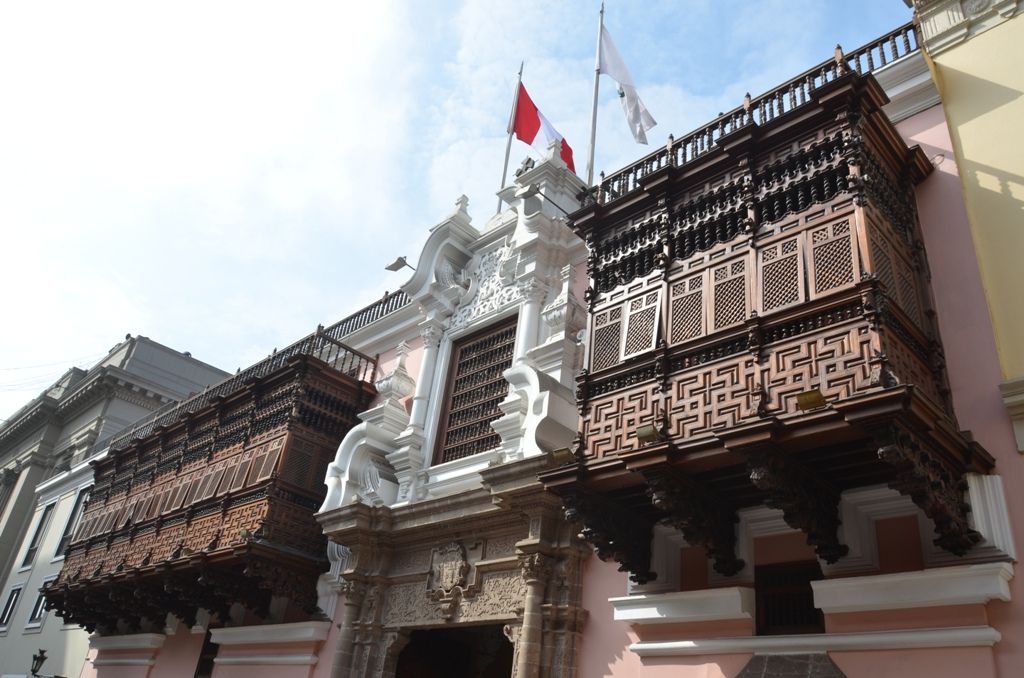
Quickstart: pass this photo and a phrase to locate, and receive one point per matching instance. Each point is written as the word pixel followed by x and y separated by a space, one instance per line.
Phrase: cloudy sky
pixel 221 177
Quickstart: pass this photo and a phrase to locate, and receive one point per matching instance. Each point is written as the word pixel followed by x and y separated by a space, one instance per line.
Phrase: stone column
pixel 536 568
pixel 431 332
pixel 354 592
pixel 529 317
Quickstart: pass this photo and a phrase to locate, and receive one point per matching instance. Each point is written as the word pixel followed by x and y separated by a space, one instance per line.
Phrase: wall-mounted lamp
pixel 563 456
pixel 398 264
pixel 37 664
pixel 648 434
pixel 810 400
pixel 531 191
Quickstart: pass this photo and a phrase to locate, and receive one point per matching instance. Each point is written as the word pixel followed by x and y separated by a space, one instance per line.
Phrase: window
pixel 785 600
pixel 37 536
pixel 35 617
pixel 9 606
pixel 73 520
pixel 475 388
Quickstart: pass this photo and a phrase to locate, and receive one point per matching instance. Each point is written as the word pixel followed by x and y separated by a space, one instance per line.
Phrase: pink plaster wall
pixel 943 616
pixel 975 662
pixel 268 671
pixel 179 655
pixel 604 646
pixel 899 545
pixel 389 359
pixel 970 349
pixel 782 548
pixel 604 650
pixel 326 651
pixel 88 670
pixel 263 671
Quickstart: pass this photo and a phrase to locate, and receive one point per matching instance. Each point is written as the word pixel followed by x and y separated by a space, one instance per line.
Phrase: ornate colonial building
pixel 769 442
pixel 762 433
pixel 458 563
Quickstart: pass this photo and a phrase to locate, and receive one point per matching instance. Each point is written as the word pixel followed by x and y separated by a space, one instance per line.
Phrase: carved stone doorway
pixel 457 652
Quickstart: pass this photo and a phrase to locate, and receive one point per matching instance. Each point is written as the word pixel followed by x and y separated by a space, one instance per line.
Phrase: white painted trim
pixel 965 636
pixel 908 84
pixel 135 641
pixel 989 516
pixel 268 660
pixel 123 661
pixel 963 585
pixel 758 521
pixel 736 602
pixel 859 509
pixel 271 633
pixel 666 546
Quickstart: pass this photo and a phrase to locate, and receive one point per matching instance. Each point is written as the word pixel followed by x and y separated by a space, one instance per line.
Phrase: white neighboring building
pixel 45 450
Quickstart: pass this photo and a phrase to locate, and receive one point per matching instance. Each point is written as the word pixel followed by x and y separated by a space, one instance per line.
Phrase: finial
pixel 402 351
pixel 746 102
pixel 840 58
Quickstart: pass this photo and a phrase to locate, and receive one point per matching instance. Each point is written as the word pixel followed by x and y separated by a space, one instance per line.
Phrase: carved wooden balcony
pixel 211 503
pixel 761 332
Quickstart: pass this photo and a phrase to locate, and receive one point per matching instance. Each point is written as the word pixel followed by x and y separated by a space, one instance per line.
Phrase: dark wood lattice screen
pixel 475 388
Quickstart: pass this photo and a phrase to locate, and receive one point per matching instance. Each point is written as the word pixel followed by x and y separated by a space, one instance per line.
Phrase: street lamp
pixel 37 663
pixel 398 264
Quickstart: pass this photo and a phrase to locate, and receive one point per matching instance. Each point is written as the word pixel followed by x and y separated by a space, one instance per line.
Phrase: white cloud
pixel 223 176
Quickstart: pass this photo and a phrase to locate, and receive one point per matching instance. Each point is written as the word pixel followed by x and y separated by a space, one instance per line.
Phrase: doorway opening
pixel 456 652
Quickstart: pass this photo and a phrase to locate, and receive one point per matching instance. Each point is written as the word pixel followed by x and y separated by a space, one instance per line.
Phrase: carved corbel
pixel 615 532
pixel 807 502
pixel 872 300
pixel 881 372
pixel 702 518
pixel 931 486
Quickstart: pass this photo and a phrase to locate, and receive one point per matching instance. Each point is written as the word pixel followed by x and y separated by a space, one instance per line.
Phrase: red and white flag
pixel 531 126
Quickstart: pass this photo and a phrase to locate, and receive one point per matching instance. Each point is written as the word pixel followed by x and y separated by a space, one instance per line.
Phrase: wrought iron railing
pixel 363 317
pixel 324 344
pixel 320 345
pixel 760 110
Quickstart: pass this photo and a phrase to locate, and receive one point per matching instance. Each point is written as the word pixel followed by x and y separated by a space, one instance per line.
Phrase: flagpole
pixel 593 114
pixel 508 143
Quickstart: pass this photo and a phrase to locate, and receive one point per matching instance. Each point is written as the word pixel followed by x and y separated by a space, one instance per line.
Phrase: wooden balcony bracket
pixel 702 518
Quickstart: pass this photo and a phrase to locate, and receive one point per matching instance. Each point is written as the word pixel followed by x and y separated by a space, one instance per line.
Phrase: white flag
pixel 610 63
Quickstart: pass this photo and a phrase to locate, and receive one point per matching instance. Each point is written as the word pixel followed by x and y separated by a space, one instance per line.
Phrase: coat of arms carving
pixel 448 568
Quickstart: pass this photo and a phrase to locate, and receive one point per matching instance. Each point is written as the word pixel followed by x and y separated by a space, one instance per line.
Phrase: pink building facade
pixel 448 556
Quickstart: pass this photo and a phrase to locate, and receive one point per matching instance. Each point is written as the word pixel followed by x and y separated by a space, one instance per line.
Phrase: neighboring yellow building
pixel 975 49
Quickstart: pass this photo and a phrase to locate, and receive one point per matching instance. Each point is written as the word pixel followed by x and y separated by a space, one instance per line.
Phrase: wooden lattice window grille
pixel 475 388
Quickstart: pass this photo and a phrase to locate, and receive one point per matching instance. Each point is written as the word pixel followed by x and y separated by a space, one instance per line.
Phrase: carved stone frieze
pixel 702 518
pixel 807 502
pixel 492 287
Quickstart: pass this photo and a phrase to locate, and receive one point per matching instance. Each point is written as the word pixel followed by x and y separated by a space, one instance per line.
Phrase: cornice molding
pixel 135 641
pixel 736 602
pixel 908 84
pixel 271 633
pixel 302 659
pixel 965 636
pixel 1013 399
pixel 944 24
pixel 963 585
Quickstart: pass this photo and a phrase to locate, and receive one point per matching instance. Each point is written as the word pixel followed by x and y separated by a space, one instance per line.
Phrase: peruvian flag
pixel 531 126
